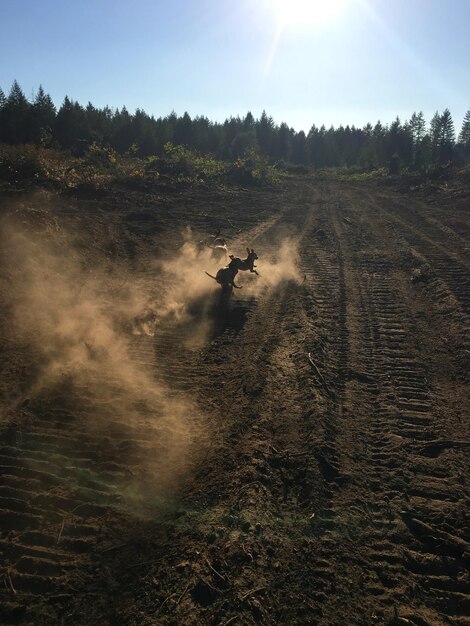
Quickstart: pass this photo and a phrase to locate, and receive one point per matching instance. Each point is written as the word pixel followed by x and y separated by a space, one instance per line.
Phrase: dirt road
pixel 299 458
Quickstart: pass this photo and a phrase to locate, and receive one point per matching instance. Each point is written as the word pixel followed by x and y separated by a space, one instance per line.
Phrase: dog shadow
pixel 210 317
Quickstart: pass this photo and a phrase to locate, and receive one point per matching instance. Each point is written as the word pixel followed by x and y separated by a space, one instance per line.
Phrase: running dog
pixel 246 264
pixel 226 275
pixel 219 250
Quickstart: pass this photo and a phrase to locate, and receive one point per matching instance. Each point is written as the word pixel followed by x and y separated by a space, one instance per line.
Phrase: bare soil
pixel 328 482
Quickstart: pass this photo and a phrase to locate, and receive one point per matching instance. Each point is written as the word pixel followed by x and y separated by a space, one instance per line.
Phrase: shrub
pixel 253 169
pixel 20 163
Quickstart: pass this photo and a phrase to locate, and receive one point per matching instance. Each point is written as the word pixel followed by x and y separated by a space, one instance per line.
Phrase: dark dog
pixel 226 275
pixel 246 264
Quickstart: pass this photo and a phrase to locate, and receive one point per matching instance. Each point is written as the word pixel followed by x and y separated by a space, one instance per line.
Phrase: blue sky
pixel 368 60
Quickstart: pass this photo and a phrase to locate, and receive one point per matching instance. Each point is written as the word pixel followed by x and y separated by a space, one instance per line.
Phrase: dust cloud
pixel 94 329
pixel 78 319
pixel 277 264
pixel 188 298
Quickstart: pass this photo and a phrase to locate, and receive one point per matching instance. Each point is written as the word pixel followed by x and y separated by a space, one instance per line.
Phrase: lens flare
pixel 304 13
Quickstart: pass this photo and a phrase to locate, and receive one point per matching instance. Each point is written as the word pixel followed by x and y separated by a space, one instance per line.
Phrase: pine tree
pixel 464 137
pixel 283 143
pixel 16 117
pixel 122 136
pixel 435 136
pixel 249 121
pixel 3 101
pixel 313 147
pixel 265 133
pixel 393 139
pixel 43 114
pixel 447 137
pixel 418 133
pixel 230 128
pixel 243 143
pixel 379 135
pixel 71 129
pixel 200 134
pixel 299 148
pixel 183 131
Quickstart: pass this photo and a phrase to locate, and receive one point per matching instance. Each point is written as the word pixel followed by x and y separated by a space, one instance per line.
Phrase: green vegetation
pixel 77 147
pixel 101 167
pixel 76 129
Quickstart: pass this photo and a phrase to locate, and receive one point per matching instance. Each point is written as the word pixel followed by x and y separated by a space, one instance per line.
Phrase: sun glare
pixel 300 13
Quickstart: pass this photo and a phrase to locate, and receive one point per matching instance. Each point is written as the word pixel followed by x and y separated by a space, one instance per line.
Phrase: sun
pixel 307 13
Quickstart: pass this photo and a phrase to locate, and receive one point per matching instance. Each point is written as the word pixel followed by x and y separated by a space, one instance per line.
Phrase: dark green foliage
pixel 243 143
pixel 265 133
pixel 43 115
pixel 76 128
pixel 253 169
pixel 20 164
pixel 464 136
pixel 464 139
pixel 16 118
pixel 447 139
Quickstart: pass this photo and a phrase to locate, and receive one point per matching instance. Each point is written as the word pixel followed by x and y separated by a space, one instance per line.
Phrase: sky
pixel 305 62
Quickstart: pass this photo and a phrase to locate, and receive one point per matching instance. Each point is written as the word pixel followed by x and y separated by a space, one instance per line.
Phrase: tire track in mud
pixel 52 505
pixel 72 479
pixel 75 474
pixel 317 475
pixel 402 487
pixel 453 270
pixel 442 248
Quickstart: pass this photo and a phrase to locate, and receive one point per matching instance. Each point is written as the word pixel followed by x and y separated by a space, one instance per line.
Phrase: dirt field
pixel 299 457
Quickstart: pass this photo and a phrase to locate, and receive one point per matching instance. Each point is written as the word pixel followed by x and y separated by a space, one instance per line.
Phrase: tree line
pixel 415 142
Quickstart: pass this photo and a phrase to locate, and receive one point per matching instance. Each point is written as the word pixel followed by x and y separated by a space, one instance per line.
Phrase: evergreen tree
pixel 447 138
pixel 249 122
pixel 44 113
pixel 200 134
pixel 144 128
pixel 71 129
pixel 393 139
pixel 331 154
pixel 299 148
pixel 418 133
pixel 265 133
pixel 122 136
pixel 183 134
pixel 215 139
pixel 244 142
pixel 312 145
pixel 367 156
pixel 16 118
pixel 379 135
pixel 464 136
pixel 283 143
pixel 435 134
pixel 3 101
pixel 231 127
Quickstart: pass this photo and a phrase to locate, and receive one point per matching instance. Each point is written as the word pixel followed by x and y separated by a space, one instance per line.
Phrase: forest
pixel 417 144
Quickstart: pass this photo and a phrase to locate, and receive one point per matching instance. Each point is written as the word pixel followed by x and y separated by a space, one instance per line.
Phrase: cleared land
pixel 299 458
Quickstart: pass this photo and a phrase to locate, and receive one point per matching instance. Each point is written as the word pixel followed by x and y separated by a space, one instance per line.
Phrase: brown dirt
pixel 326 479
